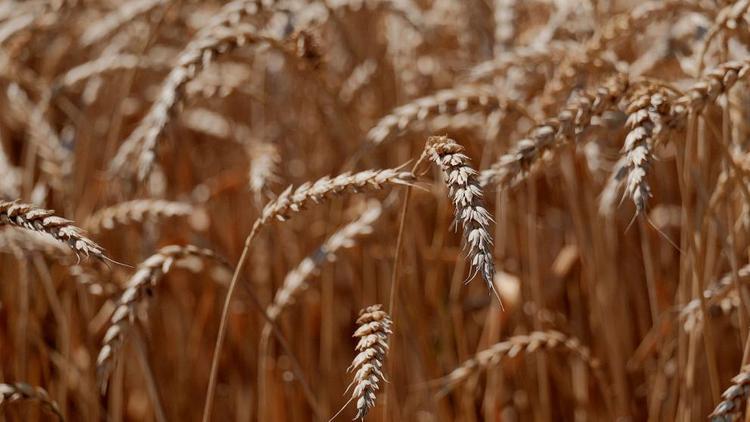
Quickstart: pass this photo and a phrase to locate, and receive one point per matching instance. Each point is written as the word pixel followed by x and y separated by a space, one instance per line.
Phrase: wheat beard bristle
pixel 466 195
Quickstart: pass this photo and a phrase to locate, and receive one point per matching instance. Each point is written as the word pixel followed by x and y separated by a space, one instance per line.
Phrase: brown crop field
pixel 379 210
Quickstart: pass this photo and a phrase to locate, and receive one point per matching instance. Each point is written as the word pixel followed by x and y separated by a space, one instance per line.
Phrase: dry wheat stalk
pixel 200 52
pixel 135 211
pixel 732 407
pixel 372 347
pixel 127 12
pixel 140 286
pixel 449 101
pixel 537 340
pixel 296 280
pixel 466 195
pixel 575 117
pixel 29 217
pixel 18 391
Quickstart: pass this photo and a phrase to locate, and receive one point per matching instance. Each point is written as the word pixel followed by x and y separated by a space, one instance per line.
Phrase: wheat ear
pixel 29 217
pixel 734 399
pixel 537 340
pixel 139 288
pixel 135 211
pixel 466 195
pixel 10 393
pixel 372 348
pixel 575 117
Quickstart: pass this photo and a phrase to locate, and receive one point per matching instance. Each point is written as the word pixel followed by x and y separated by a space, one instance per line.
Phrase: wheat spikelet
pixel 716 82
pixel 510 167
pixel 139 288
pixel 537 340
pixel 135 211
pixel 732 407
pixel 18 391
pixel 372 347
pixel 645 123
pixel 45 221
pixel 197 55
pixel 22 242
pixel 292 201
pixel 449 101
pixel 466 195
pixel 715 291
pixel 296 280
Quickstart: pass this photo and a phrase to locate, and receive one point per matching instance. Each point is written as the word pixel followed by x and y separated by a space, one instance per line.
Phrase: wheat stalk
pixel 18 391
pixel 140 286
pixel 466 195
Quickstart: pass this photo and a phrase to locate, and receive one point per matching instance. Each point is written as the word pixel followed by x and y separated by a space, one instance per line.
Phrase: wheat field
pixel 379 210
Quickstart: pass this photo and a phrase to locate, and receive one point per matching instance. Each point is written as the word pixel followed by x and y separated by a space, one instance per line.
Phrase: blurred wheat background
pixel 389 210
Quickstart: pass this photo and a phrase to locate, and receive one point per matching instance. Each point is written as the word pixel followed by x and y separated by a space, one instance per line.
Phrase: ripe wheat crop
pixel 201 201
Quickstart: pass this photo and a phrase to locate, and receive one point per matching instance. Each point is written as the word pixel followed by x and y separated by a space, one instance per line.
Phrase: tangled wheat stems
pixel 290 202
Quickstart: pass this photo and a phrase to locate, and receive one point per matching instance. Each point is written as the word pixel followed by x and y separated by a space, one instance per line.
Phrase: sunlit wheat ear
pixel 21 391
pixel 372 347
pixel 264 164
pixel 45 221
pixel 524 344
pixel 135 211
pixel 734 399
pixel 645 124
pixel 466 195
pixel 139 288
pixel 511 167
